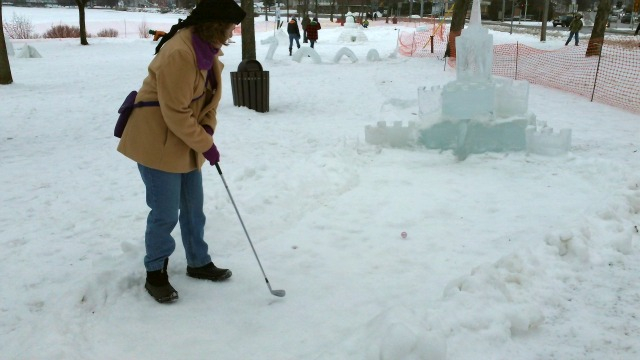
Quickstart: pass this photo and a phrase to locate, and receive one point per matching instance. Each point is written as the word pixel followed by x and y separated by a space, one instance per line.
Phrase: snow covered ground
pixel 508 255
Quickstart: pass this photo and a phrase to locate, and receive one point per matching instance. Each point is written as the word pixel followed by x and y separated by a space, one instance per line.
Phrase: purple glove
pixel 208 129
pixel 212 155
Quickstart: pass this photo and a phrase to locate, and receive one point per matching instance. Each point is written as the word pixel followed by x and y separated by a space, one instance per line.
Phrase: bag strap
pixel 146 103
pixel 157 103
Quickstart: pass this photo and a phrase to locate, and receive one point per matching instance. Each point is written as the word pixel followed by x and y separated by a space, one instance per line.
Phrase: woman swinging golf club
pixel 171 139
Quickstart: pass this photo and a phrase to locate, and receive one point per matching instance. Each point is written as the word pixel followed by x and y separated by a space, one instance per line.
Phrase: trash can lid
pixel 249 65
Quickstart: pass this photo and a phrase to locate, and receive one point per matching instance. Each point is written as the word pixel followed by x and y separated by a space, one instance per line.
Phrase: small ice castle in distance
pixel 477 112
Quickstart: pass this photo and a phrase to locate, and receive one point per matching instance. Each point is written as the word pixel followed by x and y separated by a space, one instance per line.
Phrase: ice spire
pixel 475 20
pixel 474 50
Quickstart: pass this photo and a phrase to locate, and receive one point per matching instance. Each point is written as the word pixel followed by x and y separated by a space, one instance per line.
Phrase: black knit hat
pixel 226 11
pixel 218 10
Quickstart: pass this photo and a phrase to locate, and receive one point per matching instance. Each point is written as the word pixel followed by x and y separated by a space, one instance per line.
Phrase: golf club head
pixel 279 293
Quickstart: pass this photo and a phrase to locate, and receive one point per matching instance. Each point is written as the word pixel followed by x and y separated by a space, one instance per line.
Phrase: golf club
pixel 279 293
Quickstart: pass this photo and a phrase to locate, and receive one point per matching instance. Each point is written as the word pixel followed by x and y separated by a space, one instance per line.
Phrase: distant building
pixel 35 3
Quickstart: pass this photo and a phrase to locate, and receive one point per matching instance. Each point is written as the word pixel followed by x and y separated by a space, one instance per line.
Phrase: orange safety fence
pixel 270 25
pixel 259 26
pixel 612 78
pixel 428 41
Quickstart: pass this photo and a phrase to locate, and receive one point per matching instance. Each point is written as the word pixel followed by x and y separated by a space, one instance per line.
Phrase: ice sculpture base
pixel 465 100
pixel 470 136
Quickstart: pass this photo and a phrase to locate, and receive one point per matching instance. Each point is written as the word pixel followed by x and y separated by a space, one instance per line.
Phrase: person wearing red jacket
pixel 312 31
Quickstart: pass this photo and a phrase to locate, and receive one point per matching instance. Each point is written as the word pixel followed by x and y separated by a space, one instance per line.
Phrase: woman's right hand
pixel 212 155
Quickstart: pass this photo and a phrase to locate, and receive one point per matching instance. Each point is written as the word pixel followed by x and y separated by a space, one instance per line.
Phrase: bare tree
pixel 305 20
pixel 267 7
pixel 20 27
pixel 460 8
pixel 83 28
pixel 248 32
pixel 599 27
pixel 5 69
pixel 332 5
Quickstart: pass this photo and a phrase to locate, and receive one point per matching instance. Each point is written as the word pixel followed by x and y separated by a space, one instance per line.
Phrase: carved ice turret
pixel 395 136
pixel 474 86
pixel 474 50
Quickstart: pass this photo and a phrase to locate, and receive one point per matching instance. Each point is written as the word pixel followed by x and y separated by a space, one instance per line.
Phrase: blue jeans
pixel 296 38
pixel 571 34
pixel 174 198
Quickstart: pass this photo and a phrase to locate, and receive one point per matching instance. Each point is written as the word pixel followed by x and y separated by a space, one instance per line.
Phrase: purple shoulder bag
pixel 125 111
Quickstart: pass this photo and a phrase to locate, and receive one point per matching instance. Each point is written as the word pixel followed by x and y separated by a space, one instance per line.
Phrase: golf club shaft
pixel 274 292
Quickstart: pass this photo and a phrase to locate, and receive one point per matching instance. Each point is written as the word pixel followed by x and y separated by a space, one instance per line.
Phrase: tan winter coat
pixel 170 137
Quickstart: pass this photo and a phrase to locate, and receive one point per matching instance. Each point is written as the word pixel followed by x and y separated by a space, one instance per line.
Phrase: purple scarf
pixel 205 54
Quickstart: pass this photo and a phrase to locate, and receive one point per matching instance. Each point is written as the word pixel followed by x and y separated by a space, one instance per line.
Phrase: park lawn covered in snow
pixel 508 255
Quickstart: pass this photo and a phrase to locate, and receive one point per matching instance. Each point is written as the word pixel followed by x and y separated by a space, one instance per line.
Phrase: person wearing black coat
pixel 305 22
pixel 294 33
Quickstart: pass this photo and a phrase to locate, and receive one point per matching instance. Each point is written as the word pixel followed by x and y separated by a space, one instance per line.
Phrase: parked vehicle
pixel 562 20
pixel 626 18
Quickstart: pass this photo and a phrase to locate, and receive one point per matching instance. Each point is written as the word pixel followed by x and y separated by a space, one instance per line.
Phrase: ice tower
pixel 474 86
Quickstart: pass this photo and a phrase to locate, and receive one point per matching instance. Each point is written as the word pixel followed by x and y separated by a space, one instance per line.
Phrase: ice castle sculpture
pixel 476 112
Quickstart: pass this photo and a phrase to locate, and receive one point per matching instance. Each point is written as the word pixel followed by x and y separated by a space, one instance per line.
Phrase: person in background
pixel 365 23
pixel 312 31
pixel 574 28
pixel 172 137
pixel 294 33
pixel 305 21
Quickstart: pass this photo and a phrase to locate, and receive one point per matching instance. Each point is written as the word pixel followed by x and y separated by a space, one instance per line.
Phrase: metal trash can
pixel 250 86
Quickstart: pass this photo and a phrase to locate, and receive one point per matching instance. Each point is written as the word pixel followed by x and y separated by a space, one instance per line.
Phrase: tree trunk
pixel 305 20
pixel 333 6
pixel 83 27
pixel 460 8
pixel 248 32
pixel 5 69
pixel 545 15
pixel 599 28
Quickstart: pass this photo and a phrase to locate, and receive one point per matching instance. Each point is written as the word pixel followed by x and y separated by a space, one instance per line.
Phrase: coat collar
pixel 205 52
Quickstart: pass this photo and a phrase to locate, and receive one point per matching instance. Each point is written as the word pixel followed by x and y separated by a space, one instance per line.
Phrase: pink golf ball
pixel 403 234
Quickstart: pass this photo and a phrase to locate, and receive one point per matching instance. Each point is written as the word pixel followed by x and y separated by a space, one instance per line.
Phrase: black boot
pixel 289 51
pixel 209 272
pixel 158 286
